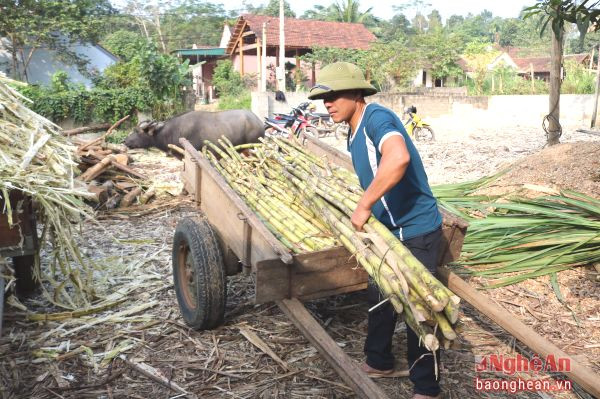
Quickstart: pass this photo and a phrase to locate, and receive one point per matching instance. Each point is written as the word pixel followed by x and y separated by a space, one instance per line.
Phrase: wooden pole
pixel 554 98
pixel 578 372
pixel 263 83
pixel 532 78
pixel 241 57
pixel 346 368
pixel 595 110
pixel 258 63
pixel 85 129
pixel 281 76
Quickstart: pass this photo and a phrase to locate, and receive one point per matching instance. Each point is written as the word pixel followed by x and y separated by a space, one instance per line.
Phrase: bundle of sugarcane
pixel 38 161
pixel 524 237
pixel 295 225
pixel 330 194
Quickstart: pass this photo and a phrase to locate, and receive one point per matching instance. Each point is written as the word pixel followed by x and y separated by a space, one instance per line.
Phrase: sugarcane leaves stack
pixel 517 238
pixel 284 183
pixel 37 160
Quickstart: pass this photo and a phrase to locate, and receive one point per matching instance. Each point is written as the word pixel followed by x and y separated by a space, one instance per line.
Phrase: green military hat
pixel 340 76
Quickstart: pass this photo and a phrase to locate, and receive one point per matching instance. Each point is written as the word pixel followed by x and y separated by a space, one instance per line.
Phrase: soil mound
pixel 573 166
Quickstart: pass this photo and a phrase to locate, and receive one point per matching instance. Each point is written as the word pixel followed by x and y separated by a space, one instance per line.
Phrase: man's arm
pixel 394 161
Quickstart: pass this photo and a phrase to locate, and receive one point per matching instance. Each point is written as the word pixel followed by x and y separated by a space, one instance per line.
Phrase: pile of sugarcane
pixel 307 205
pixel 37 160
pixel 520 238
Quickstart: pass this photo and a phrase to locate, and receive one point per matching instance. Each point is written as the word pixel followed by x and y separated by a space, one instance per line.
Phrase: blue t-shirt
pixel 409 209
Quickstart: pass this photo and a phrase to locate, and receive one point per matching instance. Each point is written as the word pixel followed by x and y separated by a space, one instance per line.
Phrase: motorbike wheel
pixel 424 133
pixel 310 131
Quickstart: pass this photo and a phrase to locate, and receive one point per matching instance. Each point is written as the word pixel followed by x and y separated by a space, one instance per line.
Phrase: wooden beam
pixel 258 63
pixel 348 369
pixel 249 46
pixel 578 373
pixel 248 33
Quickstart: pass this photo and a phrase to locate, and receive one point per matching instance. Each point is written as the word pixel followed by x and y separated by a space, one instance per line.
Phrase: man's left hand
pixel 360 216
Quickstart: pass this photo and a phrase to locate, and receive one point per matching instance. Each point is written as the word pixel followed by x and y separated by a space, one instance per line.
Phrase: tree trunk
pixel 16 74
pixel 554 129
pixel 160 35
pixel 597 92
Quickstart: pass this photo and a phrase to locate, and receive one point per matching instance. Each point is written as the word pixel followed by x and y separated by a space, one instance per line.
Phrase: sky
pixel 383 8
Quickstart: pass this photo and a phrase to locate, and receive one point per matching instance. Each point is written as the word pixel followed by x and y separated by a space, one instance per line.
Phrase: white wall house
pixel 45 62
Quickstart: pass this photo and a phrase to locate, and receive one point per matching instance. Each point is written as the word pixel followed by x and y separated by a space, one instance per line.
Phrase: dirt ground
pixel 75 357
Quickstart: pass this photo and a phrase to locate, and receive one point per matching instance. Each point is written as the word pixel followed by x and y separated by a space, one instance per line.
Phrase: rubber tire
pixel 1 301
pixel 206 310
pixel 24 266
pixel 310 131
pixel 419 136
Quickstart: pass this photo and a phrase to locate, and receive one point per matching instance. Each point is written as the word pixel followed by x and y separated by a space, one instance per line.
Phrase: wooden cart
pixel 19 242
pixel 231 238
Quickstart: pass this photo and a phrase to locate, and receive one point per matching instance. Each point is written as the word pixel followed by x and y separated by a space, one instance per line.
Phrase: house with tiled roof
pixel 526 65
pixel 255 39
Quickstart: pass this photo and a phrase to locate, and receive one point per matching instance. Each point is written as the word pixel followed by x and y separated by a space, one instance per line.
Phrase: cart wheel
pixel 198 274
pixel 1 300
pixel 26 281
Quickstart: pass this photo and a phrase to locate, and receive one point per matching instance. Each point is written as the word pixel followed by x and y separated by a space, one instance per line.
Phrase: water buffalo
pixel 239 126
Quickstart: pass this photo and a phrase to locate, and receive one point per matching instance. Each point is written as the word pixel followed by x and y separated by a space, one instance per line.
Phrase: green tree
pixel 124 44
pixel 272 9
pixel 193 22
pixel 319 12
pixel 558 14
pixel 30 25
pixel 434 20
pixel 396 28
pixel 226 79
pixel 162 76
pixel 441 50
pixel 420 23
pixel 348 11
pixel 478 55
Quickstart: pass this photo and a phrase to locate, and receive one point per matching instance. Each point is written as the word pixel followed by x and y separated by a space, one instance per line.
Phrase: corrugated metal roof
pixel 216 51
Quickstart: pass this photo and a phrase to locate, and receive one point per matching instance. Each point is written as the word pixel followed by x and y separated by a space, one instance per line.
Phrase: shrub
pixel 242 101
pixel 226 80
pixel 578 79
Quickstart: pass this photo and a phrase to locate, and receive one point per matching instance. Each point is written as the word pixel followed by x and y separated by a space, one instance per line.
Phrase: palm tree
pixel 348 11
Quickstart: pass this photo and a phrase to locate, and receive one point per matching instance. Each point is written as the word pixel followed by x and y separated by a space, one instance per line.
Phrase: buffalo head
pixel 144 134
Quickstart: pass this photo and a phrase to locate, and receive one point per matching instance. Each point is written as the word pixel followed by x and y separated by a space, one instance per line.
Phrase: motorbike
pixel 287 125
pixel 416 127
pixel 322 121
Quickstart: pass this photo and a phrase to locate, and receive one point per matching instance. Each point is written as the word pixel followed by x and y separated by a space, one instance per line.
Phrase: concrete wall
pixel 458 110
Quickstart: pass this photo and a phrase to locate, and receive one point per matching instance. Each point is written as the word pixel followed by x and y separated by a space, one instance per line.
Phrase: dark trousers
pixel 382 321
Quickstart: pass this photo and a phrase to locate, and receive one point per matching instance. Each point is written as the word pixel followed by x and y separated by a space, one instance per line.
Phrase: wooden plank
pixel 323 273
pixel 272 281
pixel 313 275
pixel 226 207
pixel 348 369
pixel 579 373
pixel 249 46
pixel 188 173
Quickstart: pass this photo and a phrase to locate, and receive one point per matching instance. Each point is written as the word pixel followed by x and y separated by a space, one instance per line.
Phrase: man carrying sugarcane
pixel 397 193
